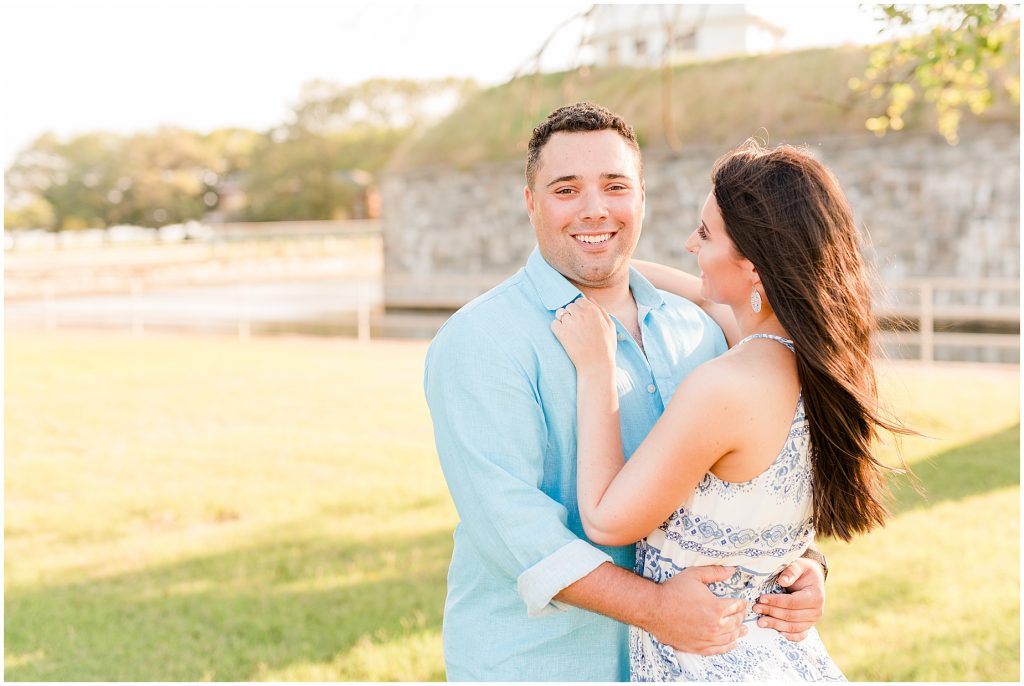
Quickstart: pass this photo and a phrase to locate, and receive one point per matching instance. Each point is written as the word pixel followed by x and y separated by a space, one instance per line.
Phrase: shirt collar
pixel 556 291
pixel 647 297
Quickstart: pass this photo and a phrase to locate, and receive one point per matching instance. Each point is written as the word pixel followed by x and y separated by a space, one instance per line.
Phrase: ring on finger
pixel 560 313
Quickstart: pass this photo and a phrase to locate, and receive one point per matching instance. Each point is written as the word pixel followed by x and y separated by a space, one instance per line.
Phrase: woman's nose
pixel 692 242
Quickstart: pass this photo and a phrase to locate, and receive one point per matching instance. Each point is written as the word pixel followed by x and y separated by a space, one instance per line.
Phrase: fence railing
pixel 919 316
pixel 929 314
pixel 39 240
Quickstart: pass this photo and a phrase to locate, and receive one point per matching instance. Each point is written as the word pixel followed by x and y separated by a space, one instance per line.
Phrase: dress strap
pixel 784 341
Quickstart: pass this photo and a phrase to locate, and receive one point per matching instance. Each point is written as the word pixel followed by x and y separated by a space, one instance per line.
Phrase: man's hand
pixel 690 618
pixel 794 613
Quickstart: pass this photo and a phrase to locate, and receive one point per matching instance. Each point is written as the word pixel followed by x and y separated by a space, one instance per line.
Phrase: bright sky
pixel 83 65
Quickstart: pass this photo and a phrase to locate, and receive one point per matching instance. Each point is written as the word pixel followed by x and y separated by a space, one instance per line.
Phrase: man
pixel 529 597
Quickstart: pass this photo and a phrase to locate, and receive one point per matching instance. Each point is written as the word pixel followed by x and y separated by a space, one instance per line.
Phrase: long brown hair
pixel 786 213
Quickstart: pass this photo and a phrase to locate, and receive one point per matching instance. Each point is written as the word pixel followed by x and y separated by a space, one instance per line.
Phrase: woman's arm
pixel 588 335
pixel 621 502
pixel 688 286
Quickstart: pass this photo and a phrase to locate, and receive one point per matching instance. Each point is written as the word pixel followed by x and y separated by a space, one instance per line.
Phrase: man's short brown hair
pixel 582 116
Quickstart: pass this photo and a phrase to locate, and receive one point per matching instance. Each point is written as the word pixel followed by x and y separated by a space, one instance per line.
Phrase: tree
pixel 316 165
pixel 73 179
pixel 952 65
pixel 325 107
pixel 33 212
pixel 165 177
pixel 671 25
pixel 100 179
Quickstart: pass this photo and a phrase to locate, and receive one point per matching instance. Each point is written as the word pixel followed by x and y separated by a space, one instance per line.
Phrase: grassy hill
pixel 789 96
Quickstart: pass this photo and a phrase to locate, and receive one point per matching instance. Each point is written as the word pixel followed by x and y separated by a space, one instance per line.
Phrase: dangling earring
pixel 755 300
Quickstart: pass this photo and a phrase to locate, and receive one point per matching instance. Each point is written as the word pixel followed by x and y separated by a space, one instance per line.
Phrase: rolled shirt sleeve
pixel 539 584
pixel 491 437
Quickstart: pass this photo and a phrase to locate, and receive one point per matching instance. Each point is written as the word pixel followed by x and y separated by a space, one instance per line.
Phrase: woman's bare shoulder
pixel 743 377
pixel 715 385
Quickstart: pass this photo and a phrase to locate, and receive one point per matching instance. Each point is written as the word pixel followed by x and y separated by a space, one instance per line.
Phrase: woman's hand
pixel 587 333
pixel 794 613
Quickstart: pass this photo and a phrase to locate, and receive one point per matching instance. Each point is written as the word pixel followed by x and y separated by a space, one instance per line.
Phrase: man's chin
pixel 599 277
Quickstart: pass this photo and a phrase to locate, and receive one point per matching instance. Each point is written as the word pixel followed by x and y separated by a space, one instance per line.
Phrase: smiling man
pixel 529 597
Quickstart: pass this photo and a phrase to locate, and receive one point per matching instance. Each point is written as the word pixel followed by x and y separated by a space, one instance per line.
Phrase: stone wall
pixel 931 210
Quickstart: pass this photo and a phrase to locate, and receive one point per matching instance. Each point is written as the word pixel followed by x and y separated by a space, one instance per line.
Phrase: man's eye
pixel 564 191
pixel 617 187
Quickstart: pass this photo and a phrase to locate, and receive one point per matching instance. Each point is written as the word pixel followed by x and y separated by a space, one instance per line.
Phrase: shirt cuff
pixel 541 582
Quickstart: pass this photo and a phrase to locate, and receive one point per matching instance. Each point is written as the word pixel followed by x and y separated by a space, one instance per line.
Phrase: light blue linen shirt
pixel 502 396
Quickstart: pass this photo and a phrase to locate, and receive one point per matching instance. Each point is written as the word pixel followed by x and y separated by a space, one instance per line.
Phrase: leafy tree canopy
pixel 311 167
pixel 969 52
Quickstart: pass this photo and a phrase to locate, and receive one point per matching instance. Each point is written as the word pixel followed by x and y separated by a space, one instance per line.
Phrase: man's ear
pixel 529 200
pixel 643 200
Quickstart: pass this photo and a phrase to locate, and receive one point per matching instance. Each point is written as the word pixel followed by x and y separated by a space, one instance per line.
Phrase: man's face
pixel 587 205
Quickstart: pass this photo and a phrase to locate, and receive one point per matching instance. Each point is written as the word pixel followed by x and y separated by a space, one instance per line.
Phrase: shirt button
pixel 622 336
pixel 651 388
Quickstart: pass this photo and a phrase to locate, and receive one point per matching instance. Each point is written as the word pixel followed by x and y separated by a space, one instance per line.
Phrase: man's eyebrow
pixel 563 179
pixel 573 177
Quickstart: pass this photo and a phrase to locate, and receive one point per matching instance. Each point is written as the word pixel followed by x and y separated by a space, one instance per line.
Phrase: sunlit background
pixel 132 66
pixel 231 228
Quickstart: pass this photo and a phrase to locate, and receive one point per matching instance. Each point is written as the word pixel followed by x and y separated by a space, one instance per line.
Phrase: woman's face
pixel 725 277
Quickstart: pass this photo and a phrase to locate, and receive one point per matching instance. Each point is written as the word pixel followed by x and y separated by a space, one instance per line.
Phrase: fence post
pixel 138 322
pixel 926 323
pixel 363 313
pixel 49 305
pixel 244 325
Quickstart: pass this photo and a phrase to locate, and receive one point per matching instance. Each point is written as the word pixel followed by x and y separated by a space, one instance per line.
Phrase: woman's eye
pixel 702 233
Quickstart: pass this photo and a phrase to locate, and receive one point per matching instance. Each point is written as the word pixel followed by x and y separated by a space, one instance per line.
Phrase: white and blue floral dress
pixel 759 527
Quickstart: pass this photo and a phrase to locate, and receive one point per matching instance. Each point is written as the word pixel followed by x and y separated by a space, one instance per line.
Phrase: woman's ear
pixel 755 278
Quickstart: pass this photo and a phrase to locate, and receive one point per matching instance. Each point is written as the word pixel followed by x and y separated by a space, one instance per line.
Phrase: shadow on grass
pixel 986 465
pixel 946 652
pixel 238 615
pixel 294 600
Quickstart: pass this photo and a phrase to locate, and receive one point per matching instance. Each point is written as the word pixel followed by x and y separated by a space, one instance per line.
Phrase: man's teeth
pixel 600 238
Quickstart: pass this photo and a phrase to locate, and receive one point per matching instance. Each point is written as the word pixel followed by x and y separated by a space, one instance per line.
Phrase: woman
pixel 782 274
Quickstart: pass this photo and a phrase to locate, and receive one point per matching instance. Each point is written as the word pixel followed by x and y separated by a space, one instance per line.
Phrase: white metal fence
pixel 919 316
pixel 936 305
pixel 922 314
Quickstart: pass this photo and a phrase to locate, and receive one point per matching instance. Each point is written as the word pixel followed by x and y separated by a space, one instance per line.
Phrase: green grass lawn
pixel 195 508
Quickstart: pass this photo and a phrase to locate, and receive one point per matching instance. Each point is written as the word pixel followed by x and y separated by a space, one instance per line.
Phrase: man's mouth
pixel 594 238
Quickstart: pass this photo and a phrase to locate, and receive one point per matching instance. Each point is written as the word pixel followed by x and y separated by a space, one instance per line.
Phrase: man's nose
pixel 594 208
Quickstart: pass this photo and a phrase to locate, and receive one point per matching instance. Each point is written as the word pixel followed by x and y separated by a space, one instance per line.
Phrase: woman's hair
pixel 785 212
